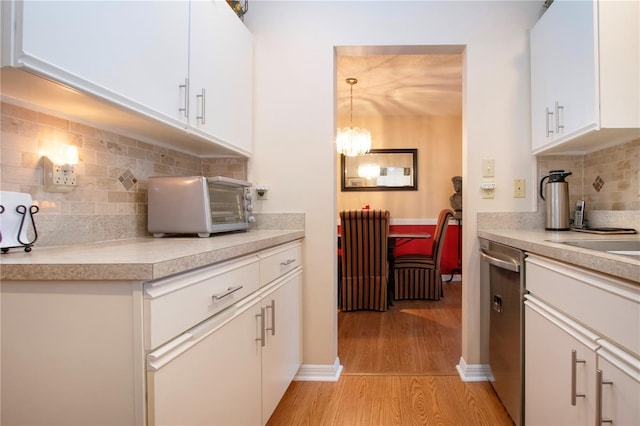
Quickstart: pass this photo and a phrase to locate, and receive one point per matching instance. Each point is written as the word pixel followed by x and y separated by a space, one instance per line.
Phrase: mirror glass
pixel 381 170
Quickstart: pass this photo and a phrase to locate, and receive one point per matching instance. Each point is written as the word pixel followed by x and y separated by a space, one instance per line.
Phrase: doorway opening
pixel 408 97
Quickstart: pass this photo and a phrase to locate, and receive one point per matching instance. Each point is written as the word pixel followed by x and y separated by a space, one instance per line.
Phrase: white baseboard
pixel 447 278
pixel 319 373
pixel 474 372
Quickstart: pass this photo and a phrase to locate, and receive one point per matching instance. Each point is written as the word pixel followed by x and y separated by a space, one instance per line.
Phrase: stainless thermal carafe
pixel 556 194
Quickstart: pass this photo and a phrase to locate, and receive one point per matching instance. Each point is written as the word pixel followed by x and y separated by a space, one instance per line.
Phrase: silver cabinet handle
pixel 229 291
pixel 548 115
pixel 599 384
pixel 287 262
pixel 574 362
pixel 185 108
pixel 558 109
pixel 261 339
pixel 203 102
pixel 272 329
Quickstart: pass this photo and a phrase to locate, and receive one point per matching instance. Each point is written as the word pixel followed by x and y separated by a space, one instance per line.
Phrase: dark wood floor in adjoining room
pixel 399 369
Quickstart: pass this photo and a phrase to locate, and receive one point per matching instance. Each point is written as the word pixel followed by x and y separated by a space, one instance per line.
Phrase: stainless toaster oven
pixel 197 205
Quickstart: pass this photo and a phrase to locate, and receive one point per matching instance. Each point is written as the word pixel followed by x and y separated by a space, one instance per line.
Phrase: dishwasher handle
pixel 492 259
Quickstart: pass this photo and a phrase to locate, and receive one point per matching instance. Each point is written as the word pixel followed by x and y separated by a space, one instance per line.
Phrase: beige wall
pixel 439 144
pixel 110 199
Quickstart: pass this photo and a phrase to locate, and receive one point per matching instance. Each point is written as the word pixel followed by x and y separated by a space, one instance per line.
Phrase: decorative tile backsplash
pixel 110 200
pixel 606 180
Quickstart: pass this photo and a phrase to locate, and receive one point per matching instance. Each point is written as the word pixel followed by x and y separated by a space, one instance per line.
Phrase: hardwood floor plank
pixel 390 400
pixel 399 369
pixel 412 337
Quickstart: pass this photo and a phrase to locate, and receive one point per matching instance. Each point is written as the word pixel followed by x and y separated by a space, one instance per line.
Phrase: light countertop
pixel 548 244
pixel 134 259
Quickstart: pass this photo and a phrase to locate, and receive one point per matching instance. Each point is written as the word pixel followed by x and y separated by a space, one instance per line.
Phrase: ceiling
pixel 400 84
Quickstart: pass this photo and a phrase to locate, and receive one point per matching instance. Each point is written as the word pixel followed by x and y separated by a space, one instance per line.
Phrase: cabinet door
pixel 548 371
pixel 575 71
pixel 621 392
pixel 543 59
pixel 215 380
pixel 564 89
pixel 132 53
pixel 281 356
pixel 221 74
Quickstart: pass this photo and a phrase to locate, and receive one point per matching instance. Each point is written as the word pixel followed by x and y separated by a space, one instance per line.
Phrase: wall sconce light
pixel 59 163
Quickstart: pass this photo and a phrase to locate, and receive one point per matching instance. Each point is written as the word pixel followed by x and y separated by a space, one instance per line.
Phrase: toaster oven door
pixel 227 206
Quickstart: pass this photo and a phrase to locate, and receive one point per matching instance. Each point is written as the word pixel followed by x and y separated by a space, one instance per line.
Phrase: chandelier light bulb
pixel 352 141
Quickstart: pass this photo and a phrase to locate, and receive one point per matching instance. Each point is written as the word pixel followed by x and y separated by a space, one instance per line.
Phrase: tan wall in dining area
pixel 439 144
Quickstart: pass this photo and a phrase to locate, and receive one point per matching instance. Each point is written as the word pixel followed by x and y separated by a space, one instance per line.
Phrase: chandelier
pixel 352 141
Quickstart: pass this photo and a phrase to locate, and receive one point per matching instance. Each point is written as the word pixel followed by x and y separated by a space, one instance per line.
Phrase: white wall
pixel 294 124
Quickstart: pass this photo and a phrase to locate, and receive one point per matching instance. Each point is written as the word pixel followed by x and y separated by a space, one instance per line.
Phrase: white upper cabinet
pixel 184 67
pixel 220 74
pixel 132 53
pixel 585 90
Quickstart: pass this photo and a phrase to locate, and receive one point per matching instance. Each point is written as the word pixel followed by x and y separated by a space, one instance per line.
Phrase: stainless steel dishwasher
pixel 502 273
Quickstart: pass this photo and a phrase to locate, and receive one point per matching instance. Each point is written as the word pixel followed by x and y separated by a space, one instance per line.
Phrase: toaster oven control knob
pixel 251 219
pixel 249 207
pixel 248 195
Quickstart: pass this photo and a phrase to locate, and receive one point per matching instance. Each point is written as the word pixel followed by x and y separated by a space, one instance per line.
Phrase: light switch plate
pixel 488 167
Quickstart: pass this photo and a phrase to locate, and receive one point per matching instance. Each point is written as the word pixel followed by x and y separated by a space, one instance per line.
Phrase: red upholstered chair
pixel 418 276
pixel 365 270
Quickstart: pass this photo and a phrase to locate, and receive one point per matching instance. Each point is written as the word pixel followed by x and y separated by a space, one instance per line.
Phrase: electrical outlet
pixel 261 192
pixel 58 177
pixel 519 190
pixel 488 187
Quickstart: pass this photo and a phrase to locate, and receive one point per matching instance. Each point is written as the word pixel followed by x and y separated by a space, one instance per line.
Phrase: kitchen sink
pixel 623 247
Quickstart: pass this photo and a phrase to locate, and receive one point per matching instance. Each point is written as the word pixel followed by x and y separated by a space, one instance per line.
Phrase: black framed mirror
pixel 381 170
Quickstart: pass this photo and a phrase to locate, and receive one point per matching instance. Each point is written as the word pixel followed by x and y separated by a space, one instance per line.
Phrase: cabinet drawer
pixel 174 304
pixel 278 261
pixel 608 306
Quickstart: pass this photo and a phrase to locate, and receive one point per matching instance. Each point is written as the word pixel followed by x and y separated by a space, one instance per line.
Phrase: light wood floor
pixel 399 369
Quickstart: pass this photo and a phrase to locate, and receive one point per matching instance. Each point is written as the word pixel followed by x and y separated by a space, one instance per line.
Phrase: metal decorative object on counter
pixel 17 226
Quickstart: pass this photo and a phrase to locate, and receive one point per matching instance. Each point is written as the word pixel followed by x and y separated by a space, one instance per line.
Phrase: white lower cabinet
pixel 281 355
pixel 217 345
pixel 559 365
pixel 582 362
pixel 209 379
pixel 234 367
pixel 618 386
